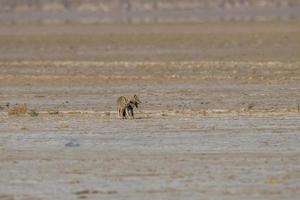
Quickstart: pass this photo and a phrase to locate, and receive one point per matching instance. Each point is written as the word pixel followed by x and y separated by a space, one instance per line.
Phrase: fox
pixel 126 105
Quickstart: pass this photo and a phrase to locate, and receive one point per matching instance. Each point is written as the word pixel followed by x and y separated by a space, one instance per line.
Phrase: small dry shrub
pixel 17 109
pixel 53 112
pixel 250 106
pixel 33 113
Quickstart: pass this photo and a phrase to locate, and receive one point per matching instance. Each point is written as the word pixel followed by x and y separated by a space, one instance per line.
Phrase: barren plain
pixel 220 117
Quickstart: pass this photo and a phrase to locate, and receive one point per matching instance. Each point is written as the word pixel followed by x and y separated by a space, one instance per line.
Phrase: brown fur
pixel 122 102
pixel 126 104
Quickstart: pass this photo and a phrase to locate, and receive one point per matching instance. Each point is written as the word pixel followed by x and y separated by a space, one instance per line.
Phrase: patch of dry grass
pixel 18 109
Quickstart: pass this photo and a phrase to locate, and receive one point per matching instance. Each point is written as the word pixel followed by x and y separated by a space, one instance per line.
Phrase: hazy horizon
pixel 141 11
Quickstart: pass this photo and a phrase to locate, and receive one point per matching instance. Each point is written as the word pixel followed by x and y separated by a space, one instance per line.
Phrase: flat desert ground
pixel 220 117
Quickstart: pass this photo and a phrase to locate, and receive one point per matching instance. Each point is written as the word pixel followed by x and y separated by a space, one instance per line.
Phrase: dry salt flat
pixel 219 120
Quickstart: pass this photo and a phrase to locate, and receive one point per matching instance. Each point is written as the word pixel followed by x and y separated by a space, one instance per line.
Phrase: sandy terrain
pixel 219 120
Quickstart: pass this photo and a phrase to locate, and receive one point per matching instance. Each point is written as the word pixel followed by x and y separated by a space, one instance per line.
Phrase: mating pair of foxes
pixel 126 105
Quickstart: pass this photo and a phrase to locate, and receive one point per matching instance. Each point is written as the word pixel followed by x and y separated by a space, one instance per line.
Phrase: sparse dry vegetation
pixel 33 113
pixel 18 109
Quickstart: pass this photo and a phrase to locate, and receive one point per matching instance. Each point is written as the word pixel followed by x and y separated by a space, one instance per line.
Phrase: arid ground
pixel 220 117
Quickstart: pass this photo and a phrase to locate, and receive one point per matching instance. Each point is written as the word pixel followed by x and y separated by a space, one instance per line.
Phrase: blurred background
pixel 150 30
pixel 139 11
